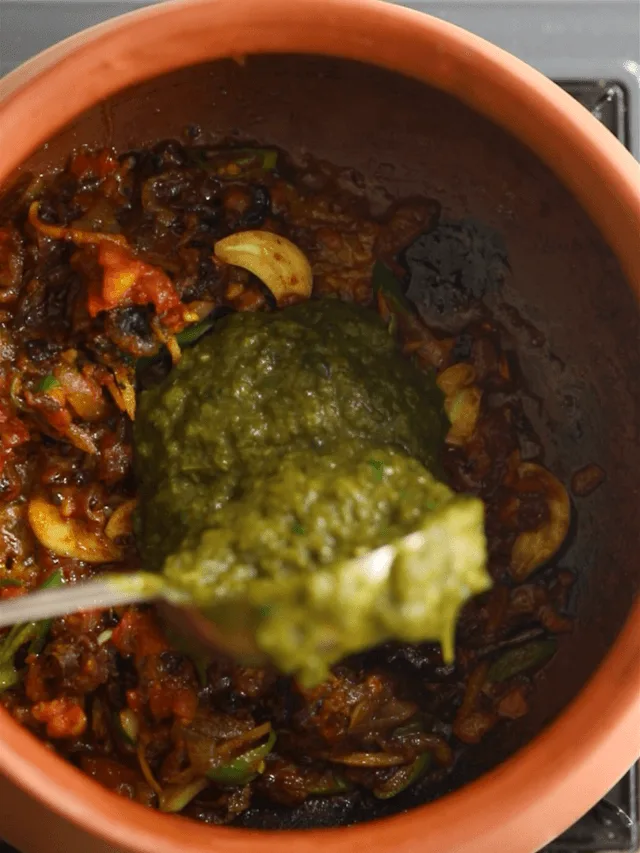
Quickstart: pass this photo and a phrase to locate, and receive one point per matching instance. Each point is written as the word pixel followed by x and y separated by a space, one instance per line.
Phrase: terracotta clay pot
pixel 446 115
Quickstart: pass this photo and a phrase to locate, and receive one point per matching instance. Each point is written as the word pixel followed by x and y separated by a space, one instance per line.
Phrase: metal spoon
pixel 101 594
pixel 96 594
pixel 193 631
pixel 440 553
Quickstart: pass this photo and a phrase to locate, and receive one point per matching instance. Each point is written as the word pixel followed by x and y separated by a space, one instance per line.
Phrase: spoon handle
pixel 70 598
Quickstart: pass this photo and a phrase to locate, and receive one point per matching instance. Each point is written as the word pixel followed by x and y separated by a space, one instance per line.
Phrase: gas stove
pixel 589 47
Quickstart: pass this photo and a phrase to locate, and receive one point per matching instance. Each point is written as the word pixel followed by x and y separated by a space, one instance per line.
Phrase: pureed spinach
pixel 282 447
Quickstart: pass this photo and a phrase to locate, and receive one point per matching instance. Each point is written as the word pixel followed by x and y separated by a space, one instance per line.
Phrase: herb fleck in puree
pixel 285 445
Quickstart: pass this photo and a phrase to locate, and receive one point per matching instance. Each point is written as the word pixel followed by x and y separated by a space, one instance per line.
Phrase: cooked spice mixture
pixel 137 289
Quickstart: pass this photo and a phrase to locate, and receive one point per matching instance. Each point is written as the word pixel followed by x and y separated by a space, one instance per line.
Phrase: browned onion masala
pixel 107 269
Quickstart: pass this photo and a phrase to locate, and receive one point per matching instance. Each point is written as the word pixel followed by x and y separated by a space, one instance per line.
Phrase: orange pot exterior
pixel 536 794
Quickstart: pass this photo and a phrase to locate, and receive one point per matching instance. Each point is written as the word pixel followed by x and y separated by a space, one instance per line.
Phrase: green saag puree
pixel 281 448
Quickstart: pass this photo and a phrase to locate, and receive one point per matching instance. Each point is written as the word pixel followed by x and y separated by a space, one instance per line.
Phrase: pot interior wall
pixel 570 310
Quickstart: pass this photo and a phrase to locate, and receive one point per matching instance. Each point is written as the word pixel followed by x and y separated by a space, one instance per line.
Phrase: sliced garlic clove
pixel 458 376
pixel 276 261
pixel 463 410
pixel 121 521
pixel 462 401
pixel 534 547
pixel 69 537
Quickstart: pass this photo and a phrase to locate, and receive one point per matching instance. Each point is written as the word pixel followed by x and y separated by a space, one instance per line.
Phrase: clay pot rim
pixel 534 795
